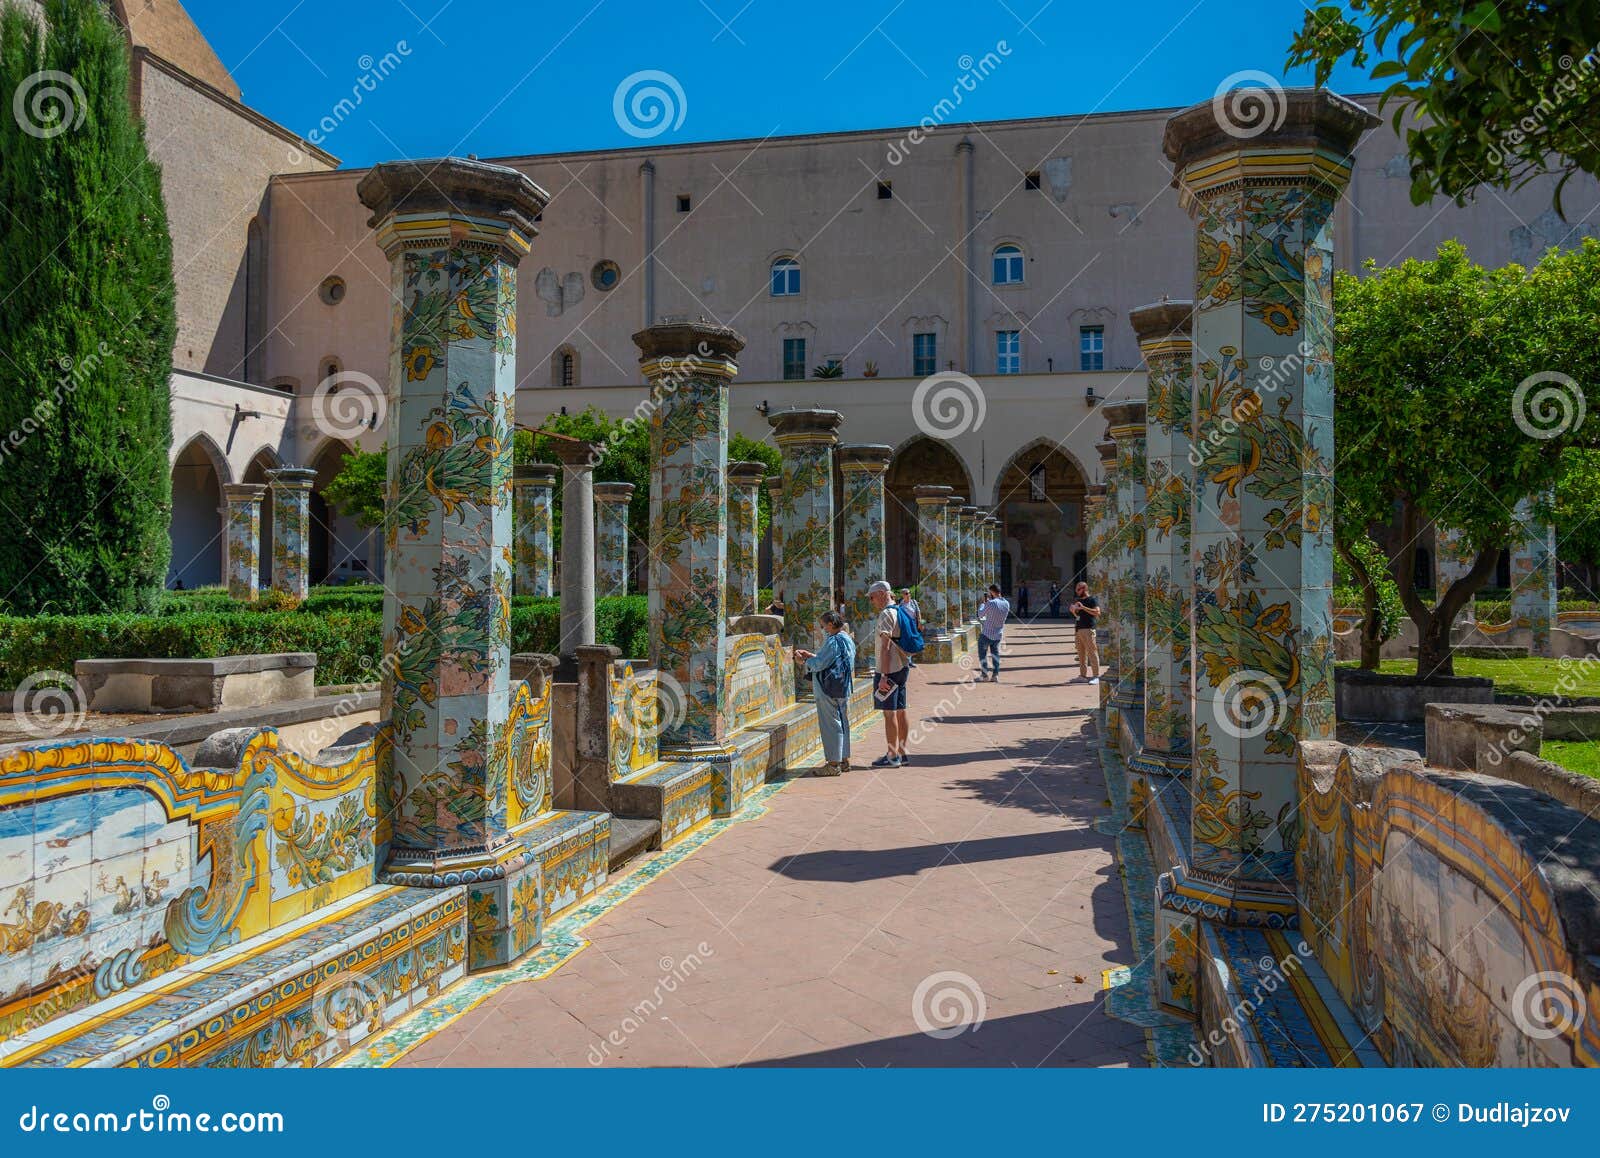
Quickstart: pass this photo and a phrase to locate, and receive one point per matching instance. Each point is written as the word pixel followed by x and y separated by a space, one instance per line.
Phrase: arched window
pixel 785 277
pixel 1008 264
pixel 564 367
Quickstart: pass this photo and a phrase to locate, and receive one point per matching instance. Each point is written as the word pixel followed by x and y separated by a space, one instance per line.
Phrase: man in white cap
pixel 892 666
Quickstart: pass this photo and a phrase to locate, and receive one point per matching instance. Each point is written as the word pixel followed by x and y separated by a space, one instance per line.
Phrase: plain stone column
pixel 1451 562
pixel 1262 517
pixel 1108 627
pixel 806 439
pixel 611 501
pixel 577 544
pixel 291 529
pixel 689 366
pixel 745 480
pixel 453 232
pixel 862 469
pixel 1533 578
pixel 931 504
pixel 1164 340
pixel 1126 428
pixel 532 525
pixel 243 541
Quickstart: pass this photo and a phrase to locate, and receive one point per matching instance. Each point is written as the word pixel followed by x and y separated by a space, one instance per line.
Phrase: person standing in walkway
pixel 992 615
pixel 832 673
pixel 1022 600
pixel 891 668
pixel 1055 601
pixel 1085 610
pixel 910 605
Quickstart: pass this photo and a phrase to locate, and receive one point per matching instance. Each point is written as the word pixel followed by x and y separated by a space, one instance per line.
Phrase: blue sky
pixel 498 77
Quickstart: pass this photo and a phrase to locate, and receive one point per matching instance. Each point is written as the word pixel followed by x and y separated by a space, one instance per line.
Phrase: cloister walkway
pixel 801 936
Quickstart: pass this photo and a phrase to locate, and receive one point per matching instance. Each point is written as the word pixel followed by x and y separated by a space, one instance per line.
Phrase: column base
pixel 505 897
pixel 1228 900
pixel 1154 763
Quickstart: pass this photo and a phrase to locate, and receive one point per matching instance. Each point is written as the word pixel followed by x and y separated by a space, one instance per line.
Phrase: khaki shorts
pixel 1088 650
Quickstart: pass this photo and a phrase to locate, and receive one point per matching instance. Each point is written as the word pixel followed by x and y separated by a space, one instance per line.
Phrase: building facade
pixel 1008 252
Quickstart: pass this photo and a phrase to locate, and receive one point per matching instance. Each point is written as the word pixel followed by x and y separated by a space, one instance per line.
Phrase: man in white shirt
pixel 992 613
pixel 891 667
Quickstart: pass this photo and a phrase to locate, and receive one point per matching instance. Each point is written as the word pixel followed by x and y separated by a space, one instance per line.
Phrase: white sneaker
pixel 1094 679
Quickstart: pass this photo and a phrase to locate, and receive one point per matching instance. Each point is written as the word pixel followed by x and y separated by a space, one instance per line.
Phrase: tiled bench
pixel 299 995
pixel 679 795
pixel 575 851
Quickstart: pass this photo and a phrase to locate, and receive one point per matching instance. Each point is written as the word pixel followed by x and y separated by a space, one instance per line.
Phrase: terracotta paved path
pixel 800 937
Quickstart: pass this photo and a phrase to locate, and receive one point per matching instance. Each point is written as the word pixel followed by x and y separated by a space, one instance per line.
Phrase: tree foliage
pixel 357 491
pixel 1577 513
pixel 1436 422
pixel 88 325
pixel 1485 93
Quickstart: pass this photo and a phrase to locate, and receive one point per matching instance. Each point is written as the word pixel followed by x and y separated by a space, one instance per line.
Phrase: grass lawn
pixel 1581 756
pixel 1532 677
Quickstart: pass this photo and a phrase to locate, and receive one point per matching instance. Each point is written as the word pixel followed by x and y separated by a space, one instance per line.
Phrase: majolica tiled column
pixel 611 501
pixel 578 556
pixel 1164 340
pixel 865 560
pixel 931 503
pixel 243 541
pixel 1533 578
pixel 1094 518
pixel 745 480
pixel 689 366
pixel 1125 425
pixel 1108 627
pixel 453 231
pixel 1262 533
pixel 775 535
pixel 291 529
pixel 957 609
pixel 970 520
pixel 806 439
pixel 996 546
pixel 1451 562
pixel 532 527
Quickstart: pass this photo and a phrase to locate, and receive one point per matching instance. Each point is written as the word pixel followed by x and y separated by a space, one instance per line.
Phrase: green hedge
pixel 342 638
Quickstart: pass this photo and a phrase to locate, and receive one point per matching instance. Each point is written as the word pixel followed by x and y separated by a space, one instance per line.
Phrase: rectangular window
pixel 924 354
pixel 794 358
pixel 683 203
pixel 1031 180
pixel 1008 352
pixel 885 190
pixel 1091 347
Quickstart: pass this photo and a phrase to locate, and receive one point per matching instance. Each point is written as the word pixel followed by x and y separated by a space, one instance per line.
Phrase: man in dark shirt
pixel 1085 610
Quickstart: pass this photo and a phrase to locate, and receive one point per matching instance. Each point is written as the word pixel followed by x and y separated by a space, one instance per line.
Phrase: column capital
pixel 1125 420
pixel 799 427
pixel 449 200
pixel 613 492
pixel 955 501
pixel 1162 322
pixel 970 512
pixel 775 485
pixel 867 458
pixel 685 348
pixel 292 477
pixel 1262 136
pixel 244 492
pixel 537 474
pixel 1108 453
pixel 748 474
pixel 931 496
pixel 576 453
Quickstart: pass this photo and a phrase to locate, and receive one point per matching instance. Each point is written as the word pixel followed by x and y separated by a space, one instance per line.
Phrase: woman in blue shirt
pixel 832 672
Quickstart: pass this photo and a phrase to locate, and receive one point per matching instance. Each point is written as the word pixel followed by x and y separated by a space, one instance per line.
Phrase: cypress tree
pixel 87 323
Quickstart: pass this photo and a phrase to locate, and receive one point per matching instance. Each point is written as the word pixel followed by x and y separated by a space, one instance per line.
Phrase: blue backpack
pixel 910 640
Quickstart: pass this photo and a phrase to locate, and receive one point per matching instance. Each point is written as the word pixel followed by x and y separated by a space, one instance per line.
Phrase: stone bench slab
pixel 196 685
